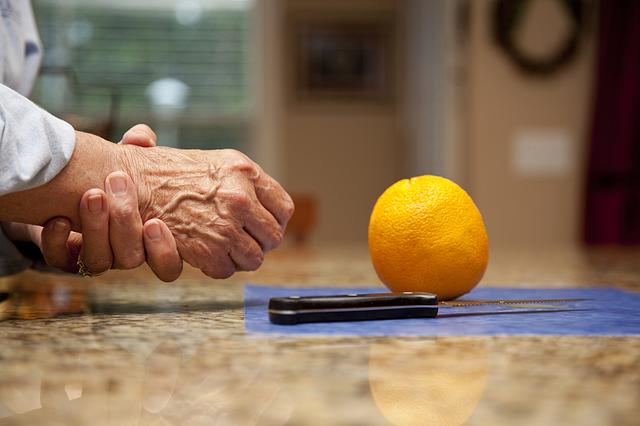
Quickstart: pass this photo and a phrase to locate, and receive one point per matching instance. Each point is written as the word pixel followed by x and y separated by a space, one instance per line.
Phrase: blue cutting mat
pixel 609 312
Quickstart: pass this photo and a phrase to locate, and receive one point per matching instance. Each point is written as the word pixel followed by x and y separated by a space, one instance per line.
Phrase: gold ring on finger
pixel 83 271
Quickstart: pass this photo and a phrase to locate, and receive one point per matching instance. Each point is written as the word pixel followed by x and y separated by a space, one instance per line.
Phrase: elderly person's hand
pixel 113 235
pixel 224 211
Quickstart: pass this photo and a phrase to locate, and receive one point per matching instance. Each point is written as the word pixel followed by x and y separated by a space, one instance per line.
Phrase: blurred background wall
pixel 342 151
pixel 459 108
pixel 339 99
pixel 527 135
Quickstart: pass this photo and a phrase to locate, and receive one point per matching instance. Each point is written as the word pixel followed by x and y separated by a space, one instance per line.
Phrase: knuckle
pixel 239 200
pixel 124 212
pixel 289 208
pixel 131 260
pixel 247 166
pixel 276 238
pixel 241 163
pixel 255 262
pixel 252 255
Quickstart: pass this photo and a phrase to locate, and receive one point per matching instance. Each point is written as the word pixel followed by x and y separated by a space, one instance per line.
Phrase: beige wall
pixel 502 102
pixel 344 153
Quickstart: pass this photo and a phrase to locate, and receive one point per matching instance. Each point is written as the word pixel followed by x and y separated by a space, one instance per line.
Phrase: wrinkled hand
pixel 113 235
pixel 224 211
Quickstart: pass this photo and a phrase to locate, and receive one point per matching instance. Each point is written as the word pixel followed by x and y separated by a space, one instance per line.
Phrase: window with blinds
pixel 180 64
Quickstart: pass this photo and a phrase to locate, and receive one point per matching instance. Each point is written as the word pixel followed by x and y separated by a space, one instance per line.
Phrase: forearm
pixel 92 160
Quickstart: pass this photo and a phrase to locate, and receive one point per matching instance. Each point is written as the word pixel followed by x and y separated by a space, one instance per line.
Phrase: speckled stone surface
pixel 140 352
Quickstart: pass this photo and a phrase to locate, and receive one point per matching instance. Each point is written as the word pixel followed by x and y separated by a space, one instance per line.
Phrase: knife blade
pixel 504 302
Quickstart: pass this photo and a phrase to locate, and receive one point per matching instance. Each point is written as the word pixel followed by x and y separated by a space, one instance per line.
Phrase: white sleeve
pixel 34 145
pixel 2 52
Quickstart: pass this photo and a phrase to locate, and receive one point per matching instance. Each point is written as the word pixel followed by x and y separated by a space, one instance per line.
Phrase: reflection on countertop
pixel 132 350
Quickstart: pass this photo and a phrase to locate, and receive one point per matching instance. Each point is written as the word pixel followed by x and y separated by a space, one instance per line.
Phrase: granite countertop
pixel 137 351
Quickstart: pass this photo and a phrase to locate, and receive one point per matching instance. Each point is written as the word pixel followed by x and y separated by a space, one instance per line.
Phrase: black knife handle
pixel 352 307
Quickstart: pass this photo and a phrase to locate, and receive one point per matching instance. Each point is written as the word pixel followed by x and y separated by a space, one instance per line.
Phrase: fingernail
pixel 95 203
pixel 153 231
pixel 60 225
pixel 118 184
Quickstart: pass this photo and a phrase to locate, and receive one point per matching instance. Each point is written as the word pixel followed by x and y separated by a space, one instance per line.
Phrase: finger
pixel 74 247
pixel 94 216
pixel 246 253
pixel 21 232
pixel 162 253
pixel 221 266
pixel 34 233
pixel 274 198
pixel 140 135
pixel 125 224
pixel 53 243
pixel 263 227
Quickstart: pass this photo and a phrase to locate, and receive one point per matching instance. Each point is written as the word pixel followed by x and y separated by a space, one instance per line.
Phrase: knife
pixel 378 306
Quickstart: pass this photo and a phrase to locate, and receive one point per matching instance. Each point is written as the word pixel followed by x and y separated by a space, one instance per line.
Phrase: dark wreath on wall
pixel 508 15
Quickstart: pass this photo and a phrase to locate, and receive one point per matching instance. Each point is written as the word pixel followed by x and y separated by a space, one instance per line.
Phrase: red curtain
pixel 613 180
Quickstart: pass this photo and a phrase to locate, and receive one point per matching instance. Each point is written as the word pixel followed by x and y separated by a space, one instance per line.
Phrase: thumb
pixel 140 135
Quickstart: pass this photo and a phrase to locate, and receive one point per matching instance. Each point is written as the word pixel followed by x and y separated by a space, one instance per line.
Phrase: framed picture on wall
pixel 342 59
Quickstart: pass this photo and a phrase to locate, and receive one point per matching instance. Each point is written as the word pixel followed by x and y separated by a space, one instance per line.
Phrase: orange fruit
pixel 427 235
